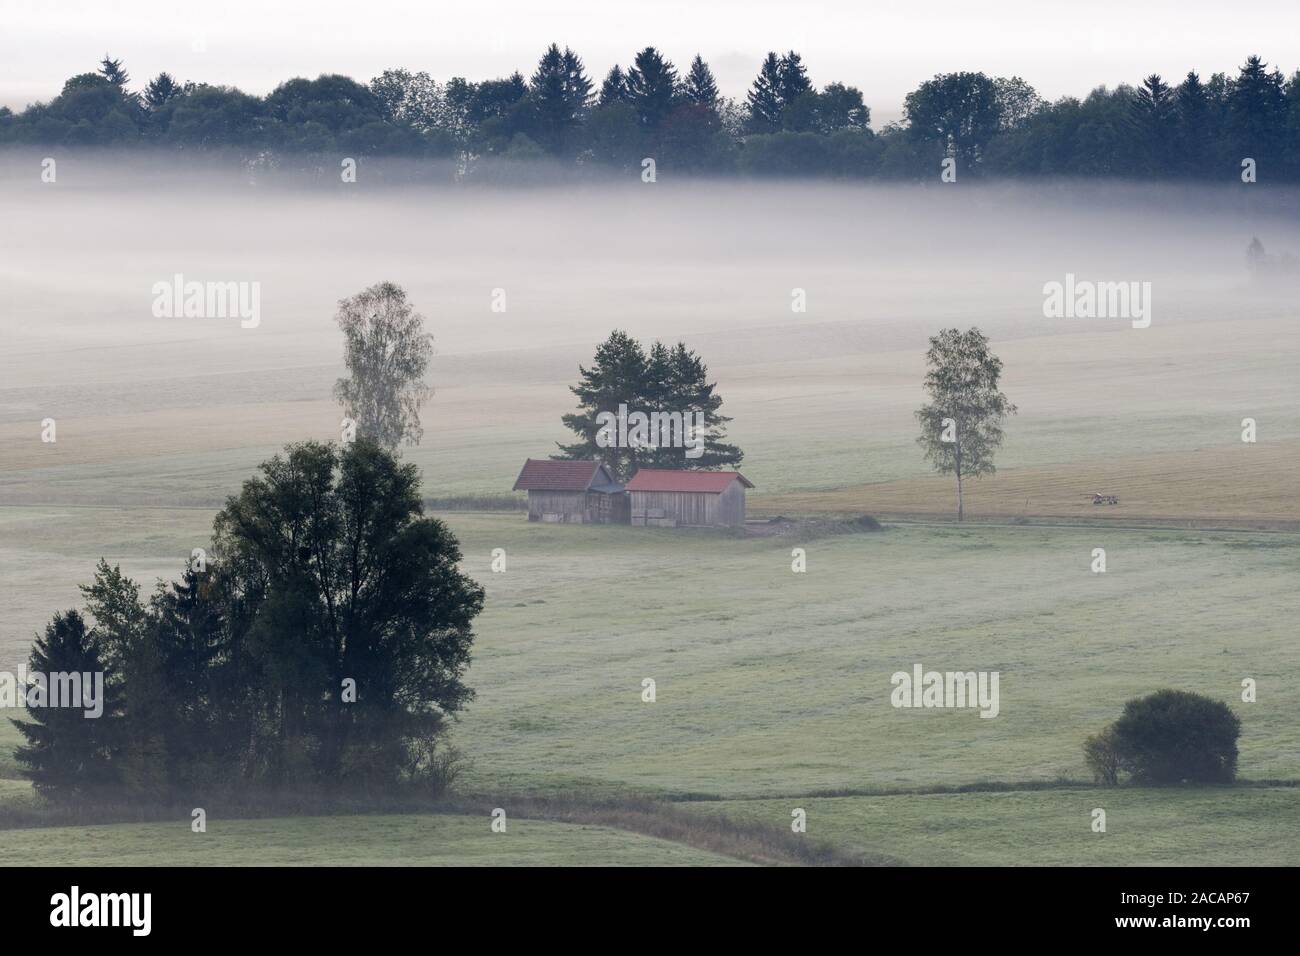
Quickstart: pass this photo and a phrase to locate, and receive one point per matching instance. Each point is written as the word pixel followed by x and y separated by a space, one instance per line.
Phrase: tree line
pixel 1195 128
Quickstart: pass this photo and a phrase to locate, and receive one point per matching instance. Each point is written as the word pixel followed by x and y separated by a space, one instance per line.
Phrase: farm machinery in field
pixel 1099 499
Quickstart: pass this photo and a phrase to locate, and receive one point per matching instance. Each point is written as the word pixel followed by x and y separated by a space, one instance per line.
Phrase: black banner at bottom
pixel 341 905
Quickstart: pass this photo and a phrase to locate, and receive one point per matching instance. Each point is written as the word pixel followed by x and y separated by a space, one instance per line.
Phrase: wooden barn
pixel 688 499
pixel 572 492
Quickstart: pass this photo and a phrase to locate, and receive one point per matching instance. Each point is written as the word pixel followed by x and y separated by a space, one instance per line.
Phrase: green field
pixel 425 840
pixel 1195 826
pixel 1144 827
pixel 772 688
pixel 771 684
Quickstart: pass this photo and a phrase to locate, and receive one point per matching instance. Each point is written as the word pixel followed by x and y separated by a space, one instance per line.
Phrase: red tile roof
pixel 663 479
pixel 546 475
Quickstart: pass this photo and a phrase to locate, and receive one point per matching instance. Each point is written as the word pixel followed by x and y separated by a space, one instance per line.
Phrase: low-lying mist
pixel 717 262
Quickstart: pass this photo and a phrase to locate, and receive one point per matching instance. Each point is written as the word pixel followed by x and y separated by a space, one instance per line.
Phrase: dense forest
pixel 992 126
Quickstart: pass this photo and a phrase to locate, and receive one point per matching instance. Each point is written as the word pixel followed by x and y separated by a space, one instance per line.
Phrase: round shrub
pixel 1173 736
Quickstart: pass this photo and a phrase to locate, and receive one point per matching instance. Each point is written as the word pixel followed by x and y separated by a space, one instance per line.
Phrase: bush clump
pixel 1168 737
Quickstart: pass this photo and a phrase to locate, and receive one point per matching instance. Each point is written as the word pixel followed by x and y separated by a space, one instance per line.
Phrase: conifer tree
pixel 159 90
pixel 673 380
pixel 614 88
pixel 111 70
pixel 764 99
pixel 651 87
pixel 793 79
pixel 700 87
pixel 67 752
pixel 561 96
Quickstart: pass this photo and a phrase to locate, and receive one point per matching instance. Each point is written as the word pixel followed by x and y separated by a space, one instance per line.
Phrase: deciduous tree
pixel 387 353
pixel 961 425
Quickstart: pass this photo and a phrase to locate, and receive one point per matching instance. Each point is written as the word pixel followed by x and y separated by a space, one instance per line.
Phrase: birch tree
pixel 387 352
pixel 961 425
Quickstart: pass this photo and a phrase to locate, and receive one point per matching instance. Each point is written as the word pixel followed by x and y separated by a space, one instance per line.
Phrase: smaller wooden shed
pixel 688 499
pixel 572 492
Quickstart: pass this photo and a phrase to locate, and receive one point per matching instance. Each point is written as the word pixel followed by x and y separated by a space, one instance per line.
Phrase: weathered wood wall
pixel 578 507
pixel 731 506
pixel 672 509
pixel 564 506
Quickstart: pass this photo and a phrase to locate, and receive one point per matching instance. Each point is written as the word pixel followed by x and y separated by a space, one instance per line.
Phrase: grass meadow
pixel 772 687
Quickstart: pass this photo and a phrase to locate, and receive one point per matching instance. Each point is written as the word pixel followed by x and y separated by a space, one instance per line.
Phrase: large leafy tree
pixel 1017 101
pixel 409 99
pixel 332 573
pixel 841 107
pixel 958 111
pixel 387 353
pixel 661 380
pixel 323 642
pixel 337 103
pixel 213 117
pixel 494 99
pixel 961 424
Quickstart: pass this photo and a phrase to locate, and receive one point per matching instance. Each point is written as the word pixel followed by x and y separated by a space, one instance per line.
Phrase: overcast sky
pixel 884 47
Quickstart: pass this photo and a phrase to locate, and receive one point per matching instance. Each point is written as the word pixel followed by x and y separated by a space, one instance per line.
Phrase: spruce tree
pixel 201 667
pixel 764 99
pixel 651 87
pixel 1195 129
pixel 1257 109
pixel 691 391
pixel 1153 116
pixel 159 90
pixel 700 87
pixel 673 380
pixel 793 79
pixel 111 70
pixel 614 89
pixel 67 752
pixel 561 96
pixel 617 376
